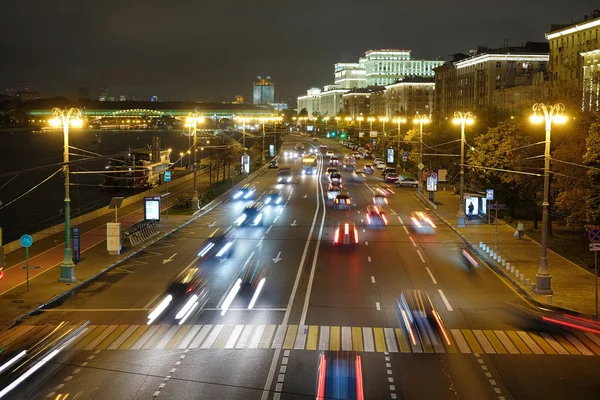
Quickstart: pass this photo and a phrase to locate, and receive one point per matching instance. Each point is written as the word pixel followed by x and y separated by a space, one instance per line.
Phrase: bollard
pixel 503 262
pixel 522 278
pixel 533 287
pixel 517 273
pixel 507 265
pixel 527 282
pixel 481 245
pixel 487 249
pixel 499 259
pixel 512 269
pixel 492 253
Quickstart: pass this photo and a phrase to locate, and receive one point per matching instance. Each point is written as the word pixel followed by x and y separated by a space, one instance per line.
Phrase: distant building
pixel 153 99
pixel 469 83
pixel 122 98
pixel 27 95
pixel 278 106
pixel 357 102
pixel 104 94
pixel 387 66
pixel 332 102
pixel 311 102
pixel 240 99
pixel 350 75
pixel 263 91
pixel 409 97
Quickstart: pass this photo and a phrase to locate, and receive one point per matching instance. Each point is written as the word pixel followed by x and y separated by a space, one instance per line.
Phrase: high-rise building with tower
pixel 264 91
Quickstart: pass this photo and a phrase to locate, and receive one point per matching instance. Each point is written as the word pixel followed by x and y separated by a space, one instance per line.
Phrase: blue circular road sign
pixel 26 240
pixel 594 235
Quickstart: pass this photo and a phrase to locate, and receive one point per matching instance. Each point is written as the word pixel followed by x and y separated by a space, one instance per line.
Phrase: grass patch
pixel 181 211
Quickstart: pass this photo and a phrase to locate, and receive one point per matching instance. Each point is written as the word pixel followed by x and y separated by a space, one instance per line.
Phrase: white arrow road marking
pixel 305 196
pixel 168 260
pixel 293 223
pixel 213 224
pixel 278 258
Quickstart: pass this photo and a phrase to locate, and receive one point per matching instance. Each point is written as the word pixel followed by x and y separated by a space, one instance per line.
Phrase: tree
pixel 303 113
pixel 592 159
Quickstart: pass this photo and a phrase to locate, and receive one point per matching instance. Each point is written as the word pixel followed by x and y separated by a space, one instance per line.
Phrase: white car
pixel 380 165
pixel 329 153
pixel 333 191
pixel 407 182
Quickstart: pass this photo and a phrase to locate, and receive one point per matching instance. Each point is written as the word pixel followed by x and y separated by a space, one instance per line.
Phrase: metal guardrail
pixel 139 232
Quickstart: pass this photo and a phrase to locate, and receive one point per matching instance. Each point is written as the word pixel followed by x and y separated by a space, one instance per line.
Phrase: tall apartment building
pixel 263 91
pixel 350 75
pixel 574 57
pixel 470 83
pixel 312 102
pixel 357 103
pixel 332 102
pixel 409 97
pixel 387 66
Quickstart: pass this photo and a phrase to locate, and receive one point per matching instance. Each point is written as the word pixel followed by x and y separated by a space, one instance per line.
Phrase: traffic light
pixel 343 135
pixel 334 133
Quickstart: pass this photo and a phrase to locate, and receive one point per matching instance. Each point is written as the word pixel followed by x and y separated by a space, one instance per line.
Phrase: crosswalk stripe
pixel 580 346
pixel 473 343
pixel 425 342
pixel 485 344
pixel 151 342
pixel 506 342
pixel 90 336
pixel 566 344
pixel 144 338
pixel 245 337
pixel 119 341
pixel 530 342
pixel 177 337
pixel 134 337
pixel 279 336
pixel 267 337
pixel 495 342
pixel 346 338
pixel 290 337
pixel 233 338
pixel 198 339
pixel 357 339
pixel 546 348
pixel 390 340
pixel 590 344
pixel 15 333
pixel 211 337
pixel 402 340
pixel 313 337
pixel 222 337
pixel 553 342
pixel 256 335
pixel 187 339
pixel 92 345
pixel 301 337
pixel 34 336
pixel 379 340
pixel 76 342
pixel 521 346
pixel 324 338
pixel 436 342
pixel 368 335
pixel 111 338
pixel 334 338
pixel 460 341
pixel 162 342
pixel 593 338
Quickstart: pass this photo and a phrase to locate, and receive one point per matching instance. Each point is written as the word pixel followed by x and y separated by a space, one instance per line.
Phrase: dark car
pixel 375 215
pixel 387 170
pixel 285 175
pixel 245 192
pixel 252 215
pixel 219 242
pixel 391 177
pixel 346 234
pixel 273 164
pixel 340 376
pixel 342 202
pixel 273 197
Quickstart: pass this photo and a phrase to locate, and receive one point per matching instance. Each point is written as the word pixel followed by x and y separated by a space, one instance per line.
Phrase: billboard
pixel 390 155
pixel 152 208
pixel 432 182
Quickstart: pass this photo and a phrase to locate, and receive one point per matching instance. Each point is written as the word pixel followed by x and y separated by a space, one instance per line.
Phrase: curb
pixel 205 210
pixel 493 265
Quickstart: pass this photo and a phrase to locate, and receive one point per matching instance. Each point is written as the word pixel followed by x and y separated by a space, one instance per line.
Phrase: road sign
pixel 594 235
pixel 497 207
pixel 26 241
pixel 373 134
pixel 594 246
pixel 167 176
pixel 421 166
pixel 489 194
pixel 405 156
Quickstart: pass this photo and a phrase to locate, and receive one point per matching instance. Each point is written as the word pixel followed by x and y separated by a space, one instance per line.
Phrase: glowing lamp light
pixel 536 118
pixel 456 121
pixel 559 119
pixel 470 121
pixel 55 122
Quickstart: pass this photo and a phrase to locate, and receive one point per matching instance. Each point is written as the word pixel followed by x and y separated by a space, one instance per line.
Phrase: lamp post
pixel 360 120
pixel 263 120
pixel 326 120
pixel 193 120
pixel 383 120
pixel 371 119
pixel 348 122
pixel 65 117
pixel 548 114
pixel 462 118
pixel 399 121
pixel 181 159
pixel 422 119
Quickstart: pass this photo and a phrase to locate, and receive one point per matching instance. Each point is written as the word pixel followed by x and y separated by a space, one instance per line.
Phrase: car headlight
pixel 241 219
pixel 267 200
pixel 289 179
pixel 257 219
pixel 278 179
pixel 238 194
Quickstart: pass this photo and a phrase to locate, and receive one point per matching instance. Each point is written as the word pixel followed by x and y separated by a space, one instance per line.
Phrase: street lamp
pixel 399 121
pixel 181 159
pixel 360 120
pixel 326 119
pixel 462 118
pixel 65 117
pixel 383 120
pixel 422 119
pixel 371 119
pixel 244 120
pixel 548 114
pixel 263 120
pixel 192 121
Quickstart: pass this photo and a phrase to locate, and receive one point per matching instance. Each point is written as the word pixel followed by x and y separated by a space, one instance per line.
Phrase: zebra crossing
pixel 316 338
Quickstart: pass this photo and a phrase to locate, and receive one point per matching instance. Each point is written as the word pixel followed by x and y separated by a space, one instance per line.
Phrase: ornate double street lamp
pixel 66 118
pixel 462 119
pixel 549 114
pixel 399 121
pixel 421 119
pixel 192 121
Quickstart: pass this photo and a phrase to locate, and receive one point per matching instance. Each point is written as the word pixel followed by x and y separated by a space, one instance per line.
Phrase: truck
pixel 284 175
pixel 309 165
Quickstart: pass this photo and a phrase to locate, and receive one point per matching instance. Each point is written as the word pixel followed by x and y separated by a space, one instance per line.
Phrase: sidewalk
pixel 48 253
pixel 573 286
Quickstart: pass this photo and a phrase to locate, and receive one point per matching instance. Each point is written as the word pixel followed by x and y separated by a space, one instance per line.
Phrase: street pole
pixel 195 198
pixel 67 267
pixel 399 121
pixel 421 119
pixel 462 118
pixel 264 160
pixel 547 114
pixel 596 279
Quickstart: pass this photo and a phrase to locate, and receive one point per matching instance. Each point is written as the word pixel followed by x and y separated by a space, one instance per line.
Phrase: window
pixel 498 77
pixel 542 65
pixel 498 64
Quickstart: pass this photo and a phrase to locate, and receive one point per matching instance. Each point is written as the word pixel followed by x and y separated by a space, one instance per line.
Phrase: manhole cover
pixel 31 267
pixel 18 301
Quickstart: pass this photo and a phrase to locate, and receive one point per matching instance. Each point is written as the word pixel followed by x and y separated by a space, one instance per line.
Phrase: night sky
pixel 201 50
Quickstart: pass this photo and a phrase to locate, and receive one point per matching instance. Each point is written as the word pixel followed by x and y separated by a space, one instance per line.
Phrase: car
pixel 323 146
pixel 380 165
pixel 335 178
pixel 359 176
pixel 315 139
pixel 245 192
pixel 391 177
pixel 346 234
pixel 340 376
pixel 285 175
pixel 421 223
pixel 329 153
pixel 380 199
pixel 375 215
pixel 252 215
pixel 219 242
pixel 368 155
pixel 273 197
pixel 342 202
pixel 333 191
pixel 384 189
pixel 334 160
pixel 377 160
pixel 386 171
pixel 368 168
pixel 357 155
pixel 407 182
pixel 273 164
pixel 330 170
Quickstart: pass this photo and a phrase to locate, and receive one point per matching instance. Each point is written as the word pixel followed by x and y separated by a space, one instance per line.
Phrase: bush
pixel 183 201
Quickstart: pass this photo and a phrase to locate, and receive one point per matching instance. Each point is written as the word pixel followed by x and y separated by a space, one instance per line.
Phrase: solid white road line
pixel 445 300
pixel 413 241
pixel 431 275
pixel 421 256
pixel 405 230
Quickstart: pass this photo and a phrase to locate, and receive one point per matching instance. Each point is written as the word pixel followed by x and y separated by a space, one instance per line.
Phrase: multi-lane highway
pixel 325 319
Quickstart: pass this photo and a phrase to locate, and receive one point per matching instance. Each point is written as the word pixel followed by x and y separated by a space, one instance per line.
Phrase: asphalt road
pixel 315 296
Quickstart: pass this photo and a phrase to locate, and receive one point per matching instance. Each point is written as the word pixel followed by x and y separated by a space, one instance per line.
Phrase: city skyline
pixel 135 51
